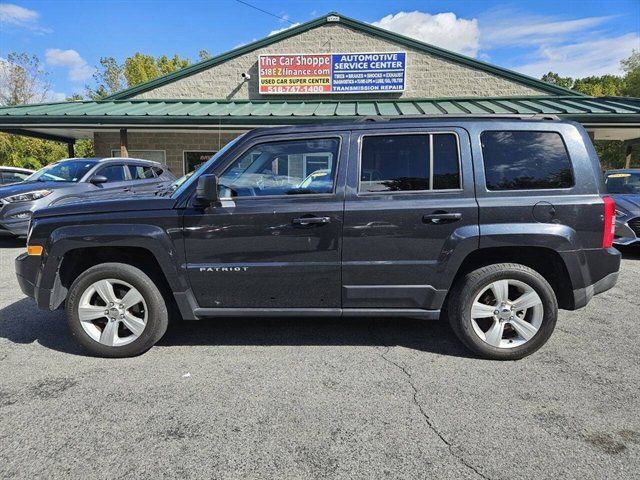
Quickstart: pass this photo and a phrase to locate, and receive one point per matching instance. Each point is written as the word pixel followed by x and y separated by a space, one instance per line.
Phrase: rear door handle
pixel 441 217
pixel 310 220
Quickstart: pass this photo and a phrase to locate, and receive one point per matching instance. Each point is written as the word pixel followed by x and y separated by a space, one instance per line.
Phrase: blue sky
pixel 572 37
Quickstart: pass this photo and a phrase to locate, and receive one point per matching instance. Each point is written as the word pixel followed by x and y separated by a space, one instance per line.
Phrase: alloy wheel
pixel 507 313
pixel 112 312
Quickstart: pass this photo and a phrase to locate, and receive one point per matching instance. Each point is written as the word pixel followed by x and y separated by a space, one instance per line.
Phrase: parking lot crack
pixel 427 419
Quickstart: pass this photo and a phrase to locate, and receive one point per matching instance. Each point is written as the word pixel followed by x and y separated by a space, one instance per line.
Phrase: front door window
pixel 291 167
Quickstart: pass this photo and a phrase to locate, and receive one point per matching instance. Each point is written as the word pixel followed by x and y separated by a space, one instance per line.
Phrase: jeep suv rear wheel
pixel 115 310
pixel 503 311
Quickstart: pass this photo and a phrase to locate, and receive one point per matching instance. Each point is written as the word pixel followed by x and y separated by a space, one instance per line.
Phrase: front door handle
pixel 441 217
pixel 311 220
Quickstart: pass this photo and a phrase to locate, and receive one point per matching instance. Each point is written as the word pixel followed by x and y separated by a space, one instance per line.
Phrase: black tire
pixel 468 287
pixel 157 319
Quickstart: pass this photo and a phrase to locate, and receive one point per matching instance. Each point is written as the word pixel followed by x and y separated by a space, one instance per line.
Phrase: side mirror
pixel 207 190
pixel 97 179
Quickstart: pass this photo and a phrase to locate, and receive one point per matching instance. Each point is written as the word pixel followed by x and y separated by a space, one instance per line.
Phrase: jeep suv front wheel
pixel 503 311
pixel 116 310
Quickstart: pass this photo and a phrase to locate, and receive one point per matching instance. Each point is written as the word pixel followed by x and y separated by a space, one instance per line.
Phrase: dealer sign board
pixel 332 73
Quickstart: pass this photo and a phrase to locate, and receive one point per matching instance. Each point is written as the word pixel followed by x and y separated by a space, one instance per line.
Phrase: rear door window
pixel 410 162
pixel 524 160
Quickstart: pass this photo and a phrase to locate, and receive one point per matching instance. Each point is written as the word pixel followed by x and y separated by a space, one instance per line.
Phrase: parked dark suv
pixel 495 222
pixel 77 179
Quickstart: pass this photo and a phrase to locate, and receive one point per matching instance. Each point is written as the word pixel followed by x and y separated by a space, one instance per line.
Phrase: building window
pixel 391 163
pixel 153 155
pixel 194 158
pixel 523 160
pixel 312 162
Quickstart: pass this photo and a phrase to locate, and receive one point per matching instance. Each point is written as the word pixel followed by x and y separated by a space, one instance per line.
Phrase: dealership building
pixel 332 68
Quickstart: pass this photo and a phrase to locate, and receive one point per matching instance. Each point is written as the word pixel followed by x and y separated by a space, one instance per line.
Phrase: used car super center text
pixel 369 218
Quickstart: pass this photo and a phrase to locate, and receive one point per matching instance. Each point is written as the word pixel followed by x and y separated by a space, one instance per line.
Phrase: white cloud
pixel 79 70
pixel 515 28
pixel 590 57
pixel 17 16
pixel 273 32
pixel 444 30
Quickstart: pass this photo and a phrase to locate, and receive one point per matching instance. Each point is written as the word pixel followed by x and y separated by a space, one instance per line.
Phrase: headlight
pixel 27 197
pixel 21 216
pixel 620 212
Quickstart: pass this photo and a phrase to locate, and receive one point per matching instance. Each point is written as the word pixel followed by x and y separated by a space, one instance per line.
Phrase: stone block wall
pixel 427 75
pixel 173 143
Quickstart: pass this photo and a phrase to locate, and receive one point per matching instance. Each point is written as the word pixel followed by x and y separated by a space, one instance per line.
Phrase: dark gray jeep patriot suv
pixel 493 223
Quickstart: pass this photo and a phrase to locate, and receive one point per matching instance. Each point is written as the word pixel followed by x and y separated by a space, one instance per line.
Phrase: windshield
pixel 623 182
pixel 192 177
pixel 71 171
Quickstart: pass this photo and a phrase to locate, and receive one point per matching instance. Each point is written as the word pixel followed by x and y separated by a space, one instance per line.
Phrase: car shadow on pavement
pixel 423 335
pixel 22 322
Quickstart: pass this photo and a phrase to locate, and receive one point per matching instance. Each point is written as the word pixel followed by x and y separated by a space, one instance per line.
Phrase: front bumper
pixel 19 228
pixel 627 231
pixel 28 273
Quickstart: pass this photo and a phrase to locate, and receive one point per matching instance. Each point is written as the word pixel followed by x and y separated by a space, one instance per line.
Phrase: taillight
pixel 609 221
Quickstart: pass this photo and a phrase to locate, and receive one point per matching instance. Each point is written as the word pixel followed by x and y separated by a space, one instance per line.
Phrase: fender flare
pixel 153 238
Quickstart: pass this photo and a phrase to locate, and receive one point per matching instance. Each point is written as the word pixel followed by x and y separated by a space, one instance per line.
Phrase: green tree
pixel 112 76
pixel 84 148
pixel 631 68
pixel 109 79
pixel 555 79
pixel 169 65
pixel 27 152
pixel 23 80
pixel 204 55
pixel 612 153
pixel 604 86
pixel 140 68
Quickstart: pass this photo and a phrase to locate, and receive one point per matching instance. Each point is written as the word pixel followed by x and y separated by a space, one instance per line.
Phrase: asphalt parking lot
pixel 321 398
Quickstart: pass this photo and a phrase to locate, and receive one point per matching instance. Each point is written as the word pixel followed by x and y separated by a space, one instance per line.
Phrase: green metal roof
pixel 356 25
pixel 213 112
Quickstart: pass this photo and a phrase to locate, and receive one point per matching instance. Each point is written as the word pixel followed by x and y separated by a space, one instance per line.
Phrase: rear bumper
pixel 582 296
pixel 592 272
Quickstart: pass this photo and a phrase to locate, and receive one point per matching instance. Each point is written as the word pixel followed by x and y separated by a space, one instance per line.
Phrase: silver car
pixel 624 187
pixel 77 179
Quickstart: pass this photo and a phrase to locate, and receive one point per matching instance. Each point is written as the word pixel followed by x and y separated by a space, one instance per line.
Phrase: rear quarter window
pixel 524 160
pixel 140 172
